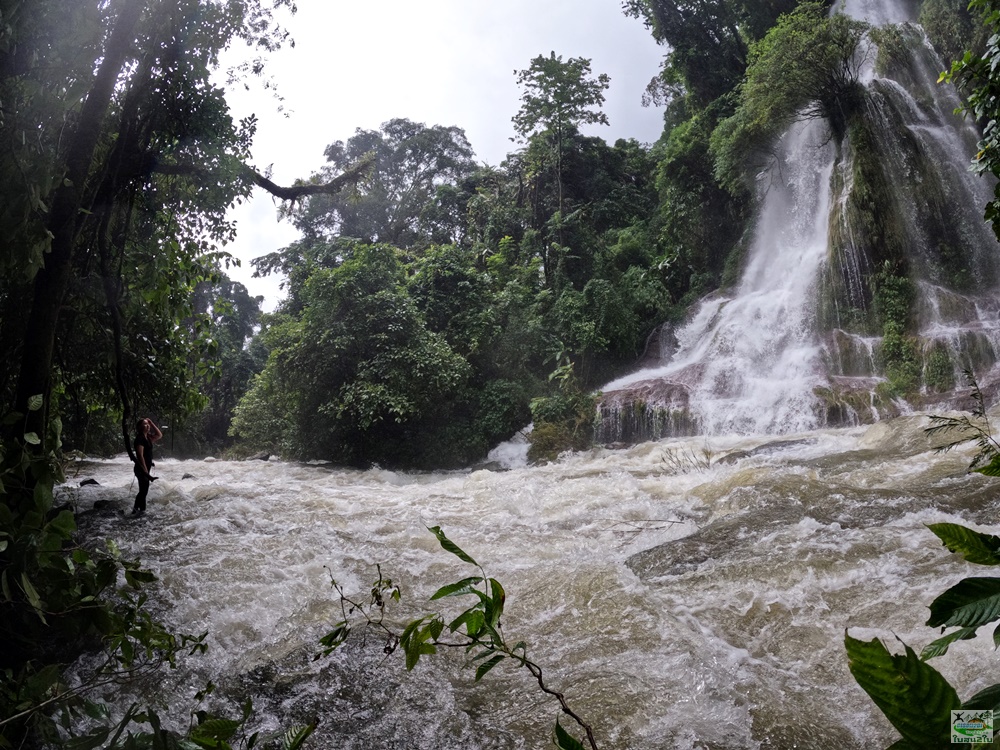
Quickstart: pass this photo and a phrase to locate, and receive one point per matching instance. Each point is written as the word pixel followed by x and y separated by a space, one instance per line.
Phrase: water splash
pixel 798 343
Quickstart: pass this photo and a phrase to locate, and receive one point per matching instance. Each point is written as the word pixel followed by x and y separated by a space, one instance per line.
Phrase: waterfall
pixel 750 361
pixel 798 344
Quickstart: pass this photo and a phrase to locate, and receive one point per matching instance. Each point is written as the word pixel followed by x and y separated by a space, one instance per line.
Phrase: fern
pixel 976 429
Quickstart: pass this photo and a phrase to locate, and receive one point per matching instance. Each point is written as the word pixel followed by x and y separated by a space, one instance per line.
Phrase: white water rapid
pixel 683 594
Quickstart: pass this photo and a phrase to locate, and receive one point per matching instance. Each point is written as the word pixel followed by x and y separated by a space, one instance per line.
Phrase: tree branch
pixel 350 175
pixel 295 192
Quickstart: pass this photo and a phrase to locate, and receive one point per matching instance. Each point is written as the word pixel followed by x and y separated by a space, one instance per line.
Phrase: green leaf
pixel 473 620
pixel 565 741
pixel 214 729
pixel 488 665
pixel 992 469
pixel 136 578
pixel 450 546
pixel 33 599
pixel 497 600
pixel 456 589
pixel 914 697
pixel 35 402
pixel 975 547
pixel 984 700
pixel 294 738
pixel 414 641
pixel 435 627
pixel 969 603
pixel 31 437
pixel 940 646
pixel 335 638
pixel 64 524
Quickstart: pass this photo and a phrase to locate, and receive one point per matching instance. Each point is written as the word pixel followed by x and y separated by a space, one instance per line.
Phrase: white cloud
pixel 441 62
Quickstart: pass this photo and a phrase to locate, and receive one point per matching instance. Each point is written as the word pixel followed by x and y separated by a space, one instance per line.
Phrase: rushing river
pixel 688 593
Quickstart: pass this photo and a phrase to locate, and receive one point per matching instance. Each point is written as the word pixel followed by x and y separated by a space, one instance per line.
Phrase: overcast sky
pixel 439 62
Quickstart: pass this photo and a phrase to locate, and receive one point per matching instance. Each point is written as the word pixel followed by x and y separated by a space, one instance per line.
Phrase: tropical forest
pixel 677 444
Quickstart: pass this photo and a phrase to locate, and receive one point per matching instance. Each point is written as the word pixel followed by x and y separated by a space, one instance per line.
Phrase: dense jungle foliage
pixel 510 290
pixel 435 305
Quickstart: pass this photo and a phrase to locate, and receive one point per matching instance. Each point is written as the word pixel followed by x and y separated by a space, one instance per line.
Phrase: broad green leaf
pixel 334 638
pixel 565 741
pixel 992 469
pixel 136 578
pixel 294 738
pixel 410 629
pixel 35 402
pixel 982 549
pixel 473 620
pixel 31 437
pixel 497 600
pixel 940 646
pixel 216 729
pixel 984 700
pixel 450 546
pixel 456 589
pixel 413 654
pixel 488 665
pixel 969 603
pixel 914 697
pixel 64 524
pixel 435 627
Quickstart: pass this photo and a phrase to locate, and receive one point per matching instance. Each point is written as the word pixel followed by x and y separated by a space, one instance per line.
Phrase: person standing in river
pixel 146 433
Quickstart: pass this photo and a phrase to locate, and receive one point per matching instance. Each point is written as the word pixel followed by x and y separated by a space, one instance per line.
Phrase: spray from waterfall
pixel 800 343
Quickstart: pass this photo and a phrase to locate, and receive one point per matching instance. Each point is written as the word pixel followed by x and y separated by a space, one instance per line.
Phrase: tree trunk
pixel 52 281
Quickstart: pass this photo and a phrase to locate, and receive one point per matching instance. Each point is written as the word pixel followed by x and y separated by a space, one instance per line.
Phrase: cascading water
pixel 686 594
pixel 749 363
pixel 683 595
pixel 794 346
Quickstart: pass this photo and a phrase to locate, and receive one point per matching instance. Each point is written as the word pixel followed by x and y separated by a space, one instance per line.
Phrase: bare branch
pixel 296 192
pixel 349 176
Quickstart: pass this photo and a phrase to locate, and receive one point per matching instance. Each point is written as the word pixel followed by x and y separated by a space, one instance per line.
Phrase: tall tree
pixel 405 195
pixel 119 146
pixel 558 97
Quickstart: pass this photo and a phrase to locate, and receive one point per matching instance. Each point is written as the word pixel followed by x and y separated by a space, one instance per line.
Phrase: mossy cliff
pixel 904 301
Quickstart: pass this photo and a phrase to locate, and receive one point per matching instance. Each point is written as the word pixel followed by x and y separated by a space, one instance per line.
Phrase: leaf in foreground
pixel 914 697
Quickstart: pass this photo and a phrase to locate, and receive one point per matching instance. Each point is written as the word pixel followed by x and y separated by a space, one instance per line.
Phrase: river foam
pixel 688 593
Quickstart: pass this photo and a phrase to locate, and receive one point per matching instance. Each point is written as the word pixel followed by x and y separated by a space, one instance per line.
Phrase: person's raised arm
pixel 154 431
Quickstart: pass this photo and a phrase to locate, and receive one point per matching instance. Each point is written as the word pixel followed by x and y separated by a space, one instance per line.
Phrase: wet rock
pixel 188 476
pixel 648 410
pixel 775 446
pixel 262 456
pixel 90 481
